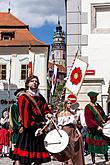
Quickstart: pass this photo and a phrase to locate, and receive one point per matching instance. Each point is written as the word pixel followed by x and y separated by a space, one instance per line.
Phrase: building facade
pixel 88 31
pixel 15 41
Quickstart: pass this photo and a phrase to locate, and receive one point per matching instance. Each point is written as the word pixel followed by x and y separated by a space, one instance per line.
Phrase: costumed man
pixel 95 117
pixel 33 111
pixel 14 122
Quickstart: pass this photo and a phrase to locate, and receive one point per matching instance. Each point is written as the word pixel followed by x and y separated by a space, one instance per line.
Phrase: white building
pixel 15 40
pixel 88 30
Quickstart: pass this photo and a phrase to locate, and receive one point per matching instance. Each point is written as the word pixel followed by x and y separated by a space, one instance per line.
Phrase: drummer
pixel 95 117
pixel 67 119
pixel 33 111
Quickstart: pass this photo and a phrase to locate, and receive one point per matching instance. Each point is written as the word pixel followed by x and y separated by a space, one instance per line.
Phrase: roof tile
pixel 9 23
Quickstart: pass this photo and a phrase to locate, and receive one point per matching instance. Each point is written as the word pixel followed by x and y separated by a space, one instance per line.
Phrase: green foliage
pixel 56 97
pixel 59 88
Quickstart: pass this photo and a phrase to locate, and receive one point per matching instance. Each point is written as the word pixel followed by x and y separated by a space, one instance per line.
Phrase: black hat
pixel 18 90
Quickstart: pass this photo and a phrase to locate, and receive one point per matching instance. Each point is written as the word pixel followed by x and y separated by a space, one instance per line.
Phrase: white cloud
pixel 36 13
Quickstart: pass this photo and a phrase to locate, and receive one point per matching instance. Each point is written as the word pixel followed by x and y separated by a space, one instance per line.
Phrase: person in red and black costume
pixel 30 148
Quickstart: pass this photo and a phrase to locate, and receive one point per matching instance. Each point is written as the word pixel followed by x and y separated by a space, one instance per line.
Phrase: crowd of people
pixel 31 112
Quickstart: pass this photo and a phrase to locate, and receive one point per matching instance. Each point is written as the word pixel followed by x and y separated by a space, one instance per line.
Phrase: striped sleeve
pixel 23 104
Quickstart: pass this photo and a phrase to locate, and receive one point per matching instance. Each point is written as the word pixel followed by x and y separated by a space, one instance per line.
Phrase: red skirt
pixel 4 137
pixel 30 149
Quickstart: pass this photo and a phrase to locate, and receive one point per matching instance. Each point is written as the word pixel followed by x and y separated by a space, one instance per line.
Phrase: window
pixel 2 72
pixel 100 16
pixel 7 35
pixel 24 71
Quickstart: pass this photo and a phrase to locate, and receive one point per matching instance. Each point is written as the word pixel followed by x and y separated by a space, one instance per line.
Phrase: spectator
pixel 5 135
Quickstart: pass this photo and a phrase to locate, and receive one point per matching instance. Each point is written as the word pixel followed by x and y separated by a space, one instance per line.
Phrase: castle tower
pixel 59 46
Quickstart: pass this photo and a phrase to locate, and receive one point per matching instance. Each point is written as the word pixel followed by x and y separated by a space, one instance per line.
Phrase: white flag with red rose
pixel 54 79
pixel 76 76
pixel 30 64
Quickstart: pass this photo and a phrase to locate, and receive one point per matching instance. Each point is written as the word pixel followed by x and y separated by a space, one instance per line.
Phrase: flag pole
pixel 9 80
pixel 64 88
pixel 76 55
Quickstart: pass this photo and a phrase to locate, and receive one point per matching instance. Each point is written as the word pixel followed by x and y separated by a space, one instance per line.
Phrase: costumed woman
pixel 67 119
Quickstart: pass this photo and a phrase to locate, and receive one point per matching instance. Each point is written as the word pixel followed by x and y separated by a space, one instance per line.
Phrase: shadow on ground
pixel 99 163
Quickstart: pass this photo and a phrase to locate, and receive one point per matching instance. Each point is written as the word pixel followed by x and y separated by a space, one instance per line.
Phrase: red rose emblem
pixel 76 76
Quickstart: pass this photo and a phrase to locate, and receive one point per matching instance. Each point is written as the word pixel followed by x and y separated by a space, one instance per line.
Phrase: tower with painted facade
pixel 59 46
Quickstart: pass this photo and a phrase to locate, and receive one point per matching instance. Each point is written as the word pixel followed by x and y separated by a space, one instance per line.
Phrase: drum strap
pixel 102 120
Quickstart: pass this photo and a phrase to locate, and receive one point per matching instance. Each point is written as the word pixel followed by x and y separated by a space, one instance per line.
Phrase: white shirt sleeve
pixel 2 121
pixel 66 120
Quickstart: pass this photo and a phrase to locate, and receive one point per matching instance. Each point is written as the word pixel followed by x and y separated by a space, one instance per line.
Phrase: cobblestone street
pixel 99 161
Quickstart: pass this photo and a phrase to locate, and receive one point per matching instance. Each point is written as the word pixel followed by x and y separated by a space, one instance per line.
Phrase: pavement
pixel 99 161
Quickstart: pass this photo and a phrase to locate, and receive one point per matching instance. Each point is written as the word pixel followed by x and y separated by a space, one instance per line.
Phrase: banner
pixel 54 79
pixel 31 63
pixel 76 76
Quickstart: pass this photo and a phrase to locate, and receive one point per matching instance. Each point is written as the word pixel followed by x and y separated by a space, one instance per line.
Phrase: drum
pixel 106 129
pixel 56 142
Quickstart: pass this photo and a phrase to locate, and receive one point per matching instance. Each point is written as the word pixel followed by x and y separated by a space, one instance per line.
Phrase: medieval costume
pixel 33 110
pixel 95 117
pixel 67 119
pixel 14 122
pixel 14 126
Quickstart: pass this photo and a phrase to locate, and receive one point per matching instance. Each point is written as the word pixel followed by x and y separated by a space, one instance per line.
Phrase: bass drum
pixel 106 129
pixel 106 132
pixel 56 142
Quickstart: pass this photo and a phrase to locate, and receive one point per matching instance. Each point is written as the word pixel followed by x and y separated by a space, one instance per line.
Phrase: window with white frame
pixel 24 71
pixel 2 72
pixel 100 18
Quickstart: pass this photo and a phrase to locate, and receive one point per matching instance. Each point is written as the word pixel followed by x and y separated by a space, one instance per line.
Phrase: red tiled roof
pixel 61 69
pixel 23 37
pixel 7 19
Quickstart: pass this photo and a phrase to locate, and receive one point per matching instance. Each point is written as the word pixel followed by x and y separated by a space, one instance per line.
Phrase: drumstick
pixel 108 122
pixel 47 123
pixel 46 143
pixel 39 130
pixel 55 126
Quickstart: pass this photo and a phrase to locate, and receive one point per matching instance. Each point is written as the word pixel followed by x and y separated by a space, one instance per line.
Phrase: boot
pixel 93 158
pixel 107 161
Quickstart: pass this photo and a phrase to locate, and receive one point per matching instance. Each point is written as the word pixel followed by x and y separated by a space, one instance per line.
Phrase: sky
pixel 40 15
